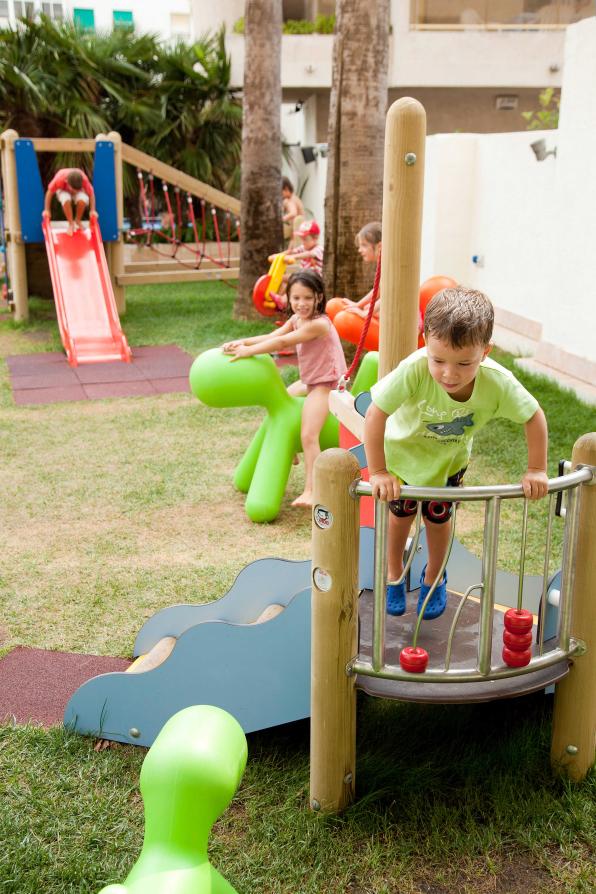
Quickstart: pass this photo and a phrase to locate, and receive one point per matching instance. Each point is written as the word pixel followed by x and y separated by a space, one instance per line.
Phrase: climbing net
pixel 170 224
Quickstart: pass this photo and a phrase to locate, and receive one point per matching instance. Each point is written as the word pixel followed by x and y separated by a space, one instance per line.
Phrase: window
pixel 122 19
pixel 52 10
pixel 24 10
pixel 180 25
pixel 84 18
pixel 4 9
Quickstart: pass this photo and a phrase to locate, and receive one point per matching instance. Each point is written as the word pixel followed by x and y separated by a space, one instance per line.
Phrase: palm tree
pixel 173 102
pixel 260 195
pixel 354 190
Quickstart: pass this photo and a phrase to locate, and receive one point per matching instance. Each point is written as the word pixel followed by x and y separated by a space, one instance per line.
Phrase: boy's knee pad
pixel 437 512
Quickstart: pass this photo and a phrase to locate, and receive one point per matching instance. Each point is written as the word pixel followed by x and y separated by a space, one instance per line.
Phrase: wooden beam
pixel 334 626
pixel 165 264
pixel 173 276
pixel 573 743
pixel 62 144
pixel 177 178
pixel 187 251
pixel 15 247
pixel 403 183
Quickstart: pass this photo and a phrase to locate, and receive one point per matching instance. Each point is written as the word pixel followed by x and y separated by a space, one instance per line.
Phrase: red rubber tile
pixel 170 386
pixel 48 395
pixel 35 684
pixel 50 378
pixel 98 373
pixel 102 390
pixel 164 369
pixel 47 378
pixel 29 363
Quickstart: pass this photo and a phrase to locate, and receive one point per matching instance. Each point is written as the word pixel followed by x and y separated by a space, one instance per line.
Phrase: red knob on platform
pixel 518 620
pixel 517 641
pixel 514 658
pixel 413 659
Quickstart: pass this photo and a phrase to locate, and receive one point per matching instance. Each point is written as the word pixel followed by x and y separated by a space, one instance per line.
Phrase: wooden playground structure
pixel 129 264
pixel 565 656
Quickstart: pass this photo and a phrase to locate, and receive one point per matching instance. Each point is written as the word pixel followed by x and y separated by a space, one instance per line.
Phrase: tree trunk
pixel 354 190
pixel 260 217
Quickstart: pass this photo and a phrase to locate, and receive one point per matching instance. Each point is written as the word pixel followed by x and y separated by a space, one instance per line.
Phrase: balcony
pixel 499 15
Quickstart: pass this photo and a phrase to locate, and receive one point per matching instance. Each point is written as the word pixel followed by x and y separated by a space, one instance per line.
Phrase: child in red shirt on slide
pixel 71 187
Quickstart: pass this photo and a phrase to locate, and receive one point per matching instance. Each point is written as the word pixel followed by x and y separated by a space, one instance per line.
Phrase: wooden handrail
pixel 177 178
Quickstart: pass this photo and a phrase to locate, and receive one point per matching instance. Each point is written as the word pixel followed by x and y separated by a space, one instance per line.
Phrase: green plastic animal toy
pixel 188 778
pixel 263 471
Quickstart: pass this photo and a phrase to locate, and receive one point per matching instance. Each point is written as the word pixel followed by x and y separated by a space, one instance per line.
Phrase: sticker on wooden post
pixel 323 517
pixel 322 580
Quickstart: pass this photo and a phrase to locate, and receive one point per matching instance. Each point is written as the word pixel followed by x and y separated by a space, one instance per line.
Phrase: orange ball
pixel 431 286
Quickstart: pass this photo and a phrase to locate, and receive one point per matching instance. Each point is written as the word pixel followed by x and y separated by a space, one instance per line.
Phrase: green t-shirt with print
pixel 429 435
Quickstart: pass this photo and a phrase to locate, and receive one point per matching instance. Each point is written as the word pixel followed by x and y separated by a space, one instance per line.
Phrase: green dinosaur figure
pixel 262 473
pixel 188 778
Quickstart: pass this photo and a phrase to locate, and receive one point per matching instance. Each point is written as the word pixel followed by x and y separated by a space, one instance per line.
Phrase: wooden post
pixel 334 614
pixel 15 248
pixel 403 184
pixel 115 254
pixel 574 719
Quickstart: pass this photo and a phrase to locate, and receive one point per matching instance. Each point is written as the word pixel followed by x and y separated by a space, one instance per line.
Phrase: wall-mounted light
pixel 540 151
pixel 309 154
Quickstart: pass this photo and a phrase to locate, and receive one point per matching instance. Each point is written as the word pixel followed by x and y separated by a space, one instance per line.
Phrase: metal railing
pixel 565 647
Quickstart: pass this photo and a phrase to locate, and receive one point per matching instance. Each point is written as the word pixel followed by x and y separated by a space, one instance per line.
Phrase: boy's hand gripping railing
pixel 567 647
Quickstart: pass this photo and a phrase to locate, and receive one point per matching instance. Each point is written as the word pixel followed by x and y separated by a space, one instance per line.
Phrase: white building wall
pixel 467 58
pixel 569 318
pixel 531 223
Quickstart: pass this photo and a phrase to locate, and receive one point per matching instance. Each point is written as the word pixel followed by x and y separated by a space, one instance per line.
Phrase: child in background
pixel 420 424
pixel 293 209
pixel 368 243
pixel 71 187
pixel 309 255
pixel 321 361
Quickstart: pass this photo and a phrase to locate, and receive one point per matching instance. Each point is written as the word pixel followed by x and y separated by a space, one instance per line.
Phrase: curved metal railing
pixel 492 496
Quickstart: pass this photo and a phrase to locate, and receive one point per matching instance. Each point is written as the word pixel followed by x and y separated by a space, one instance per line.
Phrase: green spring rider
pixel 262 473
pixel 188 779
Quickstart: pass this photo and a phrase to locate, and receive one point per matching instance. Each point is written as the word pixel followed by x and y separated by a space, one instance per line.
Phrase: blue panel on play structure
pixel 31 191
pixel 104 184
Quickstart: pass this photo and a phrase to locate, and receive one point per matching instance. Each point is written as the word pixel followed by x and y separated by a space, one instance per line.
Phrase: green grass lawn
pixel 113 509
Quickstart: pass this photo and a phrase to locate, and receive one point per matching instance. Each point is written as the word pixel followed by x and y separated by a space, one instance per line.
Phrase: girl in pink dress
pixel 321 361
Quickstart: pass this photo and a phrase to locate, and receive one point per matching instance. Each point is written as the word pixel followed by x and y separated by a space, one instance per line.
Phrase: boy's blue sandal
pixel 396 598
pixel 438 601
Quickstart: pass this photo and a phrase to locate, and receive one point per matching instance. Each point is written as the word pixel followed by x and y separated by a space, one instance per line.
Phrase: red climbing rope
pixel 150 231
pixel 345 379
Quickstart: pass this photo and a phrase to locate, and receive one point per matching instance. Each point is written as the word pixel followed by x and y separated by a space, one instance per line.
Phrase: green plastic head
pixel 188 778
pixel 219 381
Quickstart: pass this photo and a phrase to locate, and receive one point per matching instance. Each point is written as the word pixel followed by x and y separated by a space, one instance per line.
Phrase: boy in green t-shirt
pixel 420 424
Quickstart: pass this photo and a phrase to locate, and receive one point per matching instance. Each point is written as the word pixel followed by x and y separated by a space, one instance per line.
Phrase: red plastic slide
pixel 85 306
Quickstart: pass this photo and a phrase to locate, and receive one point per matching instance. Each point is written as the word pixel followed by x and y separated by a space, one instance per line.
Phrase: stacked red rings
pixel 517 637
